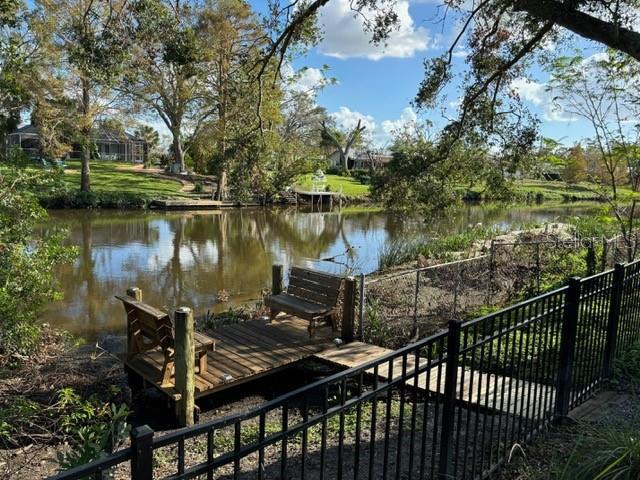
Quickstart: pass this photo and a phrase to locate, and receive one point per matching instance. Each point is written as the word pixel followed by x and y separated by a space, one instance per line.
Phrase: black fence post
pixel 567 347
pixel 449 401
pixel 142 453
pixel 612 322
pixel 348 309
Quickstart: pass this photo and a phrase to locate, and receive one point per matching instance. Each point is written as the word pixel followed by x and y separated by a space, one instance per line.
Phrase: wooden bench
pixel 310 295
pixel 149 328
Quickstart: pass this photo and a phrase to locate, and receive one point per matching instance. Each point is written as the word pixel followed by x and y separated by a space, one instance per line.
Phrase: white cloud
pixel 460 53
pixel 348 119
pixel 408 117
pixel 529 90
pixel 379 134
pixel 345 37
pixel 537 94
pixel 308 79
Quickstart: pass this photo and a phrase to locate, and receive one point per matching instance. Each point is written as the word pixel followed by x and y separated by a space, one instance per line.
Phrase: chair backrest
pixel 150 322
pixel 318 287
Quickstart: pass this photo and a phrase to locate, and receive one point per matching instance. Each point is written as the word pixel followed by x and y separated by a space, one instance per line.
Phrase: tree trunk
pixel 222 185
pixel 85 175
pixel 178 153
pixel 344 158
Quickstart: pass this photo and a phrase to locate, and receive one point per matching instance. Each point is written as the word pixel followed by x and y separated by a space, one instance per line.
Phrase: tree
pixel 417 178
pixel 343 141
pixel 18 50
pixel 166 71
pixel 27 260
pixel 575 169
pixel 503 36
pixel 152 139
pixel 88 46
pixel 600 90
pixel 240 106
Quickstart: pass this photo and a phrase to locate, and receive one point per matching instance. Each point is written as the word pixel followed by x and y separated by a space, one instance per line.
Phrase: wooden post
pixel 361 307
pixel 449 400
pixel 185 366
pixel 567 348
pixel 135 293
pixel 612 322
pixel 141 453
pixel 276 279
pixel 348 309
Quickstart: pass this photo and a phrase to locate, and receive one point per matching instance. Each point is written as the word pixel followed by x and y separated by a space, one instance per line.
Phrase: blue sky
pixel 377 84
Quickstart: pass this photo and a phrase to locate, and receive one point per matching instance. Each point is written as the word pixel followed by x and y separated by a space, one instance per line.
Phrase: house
pixel 360 159
pixel 109 145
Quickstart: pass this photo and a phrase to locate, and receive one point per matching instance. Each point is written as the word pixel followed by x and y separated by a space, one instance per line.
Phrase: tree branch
pixel 566 15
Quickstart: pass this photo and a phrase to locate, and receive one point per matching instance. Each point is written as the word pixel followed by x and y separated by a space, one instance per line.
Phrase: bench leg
pixel 202 362
pixel 167 372
pixel 312 328
pixel 334 324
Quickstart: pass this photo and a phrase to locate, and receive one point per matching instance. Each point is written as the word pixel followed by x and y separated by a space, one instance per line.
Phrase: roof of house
pixel 101 134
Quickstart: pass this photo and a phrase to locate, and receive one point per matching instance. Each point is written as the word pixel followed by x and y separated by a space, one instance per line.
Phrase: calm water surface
pixel 188 258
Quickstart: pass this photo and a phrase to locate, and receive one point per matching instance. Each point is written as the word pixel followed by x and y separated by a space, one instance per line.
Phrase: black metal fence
pixel 453 405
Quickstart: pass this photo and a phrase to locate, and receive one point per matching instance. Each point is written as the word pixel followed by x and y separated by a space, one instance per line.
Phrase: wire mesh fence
pixel 401 306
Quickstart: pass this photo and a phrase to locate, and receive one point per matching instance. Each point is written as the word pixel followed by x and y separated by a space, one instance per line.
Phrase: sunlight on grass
pixel 106 177
pixel 349 186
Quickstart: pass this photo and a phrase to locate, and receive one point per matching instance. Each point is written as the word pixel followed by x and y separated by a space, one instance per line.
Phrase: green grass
pixel 107 178
pixel 545 190
pixel 348 185
pixel 556 190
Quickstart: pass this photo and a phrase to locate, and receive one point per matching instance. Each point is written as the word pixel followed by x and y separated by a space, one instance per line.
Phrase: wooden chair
pixel 310 295
pixel 149 328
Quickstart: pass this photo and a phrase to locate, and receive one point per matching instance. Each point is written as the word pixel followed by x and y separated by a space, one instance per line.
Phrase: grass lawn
pixel 349 186
pixel 114 177
pixel 556 190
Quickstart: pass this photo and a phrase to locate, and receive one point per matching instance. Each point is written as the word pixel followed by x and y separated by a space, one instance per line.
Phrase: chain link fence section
pixel 403 306
pixel 618 250
pixel 406 305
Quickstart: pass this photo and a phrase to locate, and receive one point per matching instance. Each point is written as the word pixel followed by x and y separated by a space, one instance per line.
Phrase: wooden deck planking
pixel 495 392
pixel 243 352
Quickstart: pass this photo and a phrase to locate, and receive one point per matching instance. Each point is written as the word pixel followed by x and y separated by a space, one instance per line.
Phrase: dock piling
pixel 348 309
pixel 184 366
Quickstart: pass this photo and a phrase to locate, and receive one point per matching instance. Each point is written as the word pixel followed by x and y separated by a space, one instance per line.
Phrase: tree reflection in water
pixel 185 258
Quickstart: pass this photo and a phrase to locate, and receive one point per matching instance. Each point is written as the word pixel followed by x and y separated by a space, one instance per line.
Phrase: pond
pixel 199 258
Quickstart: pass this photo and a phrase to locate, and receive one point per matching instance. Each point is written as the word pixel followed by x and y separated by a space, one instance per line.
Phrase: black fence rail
pixel 453 405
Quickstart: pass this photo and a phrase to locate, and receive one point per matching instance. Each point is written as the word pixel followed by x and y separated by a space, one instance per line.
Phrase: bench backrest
pixel 318 287
pixel 148 321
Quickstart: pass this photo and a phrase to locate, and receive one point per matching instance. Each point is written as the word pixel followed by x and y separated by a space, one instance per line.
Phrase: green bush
pixel 363 175
pixel 94 427
pixel 607 451
pixel 627 365
pixel 27 261
pixel 78 199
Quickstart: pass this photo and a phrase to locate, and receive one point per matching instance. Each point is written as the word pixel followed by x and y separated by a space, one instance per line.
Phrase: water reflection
pixel 186 258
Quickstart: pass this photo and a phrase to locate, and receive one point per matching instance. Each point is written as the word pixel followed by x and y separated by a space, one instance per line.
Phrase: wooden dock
pixel 186 204
pixel 494 392
pixel 243 352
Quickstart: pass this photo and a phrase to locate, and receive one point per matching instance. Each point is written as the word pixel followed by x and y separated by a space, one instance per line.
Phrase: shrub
pixel 78 199
pixel 27 261
pixel 94 427
pixel 607 451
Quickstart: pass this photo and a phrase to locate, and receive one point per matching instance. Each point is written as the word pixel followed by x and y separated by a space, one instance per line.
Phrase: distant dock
pixel 318 198
pixel 186 204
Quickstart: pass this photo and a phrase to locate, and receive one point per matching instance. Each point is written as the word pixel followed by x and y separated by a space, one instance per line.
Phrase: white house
pixel 360 159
